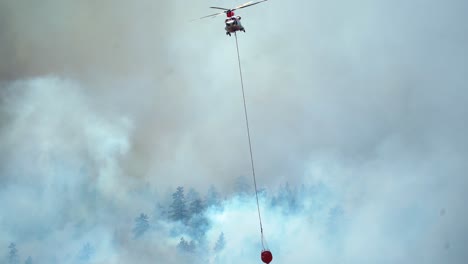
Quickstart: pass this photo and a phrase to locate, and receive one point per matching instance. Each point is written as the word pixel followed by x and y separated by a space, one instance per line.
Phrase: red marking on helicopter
pixel 232 22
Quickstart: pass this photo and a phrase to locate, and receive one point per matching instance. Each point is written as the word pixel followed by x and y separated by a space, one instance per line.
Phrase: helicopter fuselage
pixel 232 21
pixel 233 24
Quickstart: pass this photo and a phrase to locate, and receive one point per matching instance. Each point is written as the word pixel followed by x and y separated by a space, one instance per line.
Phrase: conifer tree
pixel 242 186
pixel 213 198
pixel 13 257
pixel 86 253
pixel 195 203
pixel 28 260
pixel 178 208
pixel 220 243
pixel 141 225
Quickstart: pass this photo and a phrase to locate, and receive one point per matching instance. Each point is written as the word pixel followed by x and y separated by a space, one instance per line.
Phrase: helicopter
pixel 232 21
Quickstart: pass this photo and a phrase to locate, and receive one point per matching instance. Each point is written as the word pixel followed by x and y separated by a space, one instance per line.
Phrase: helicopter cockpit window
pixel 231 22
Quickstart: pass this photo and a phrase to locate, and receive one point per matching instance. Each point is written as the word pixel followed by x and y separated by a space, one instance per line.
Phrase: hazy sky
pixel 116 98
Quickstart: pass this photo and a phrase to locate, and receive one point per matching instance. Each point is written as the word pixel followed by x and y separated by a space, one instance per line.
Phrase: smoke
pixel 107 106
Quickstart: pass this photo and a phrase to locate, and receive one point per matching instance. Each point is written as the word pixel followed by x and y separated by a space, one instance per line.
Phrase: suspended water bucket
pixel 266 256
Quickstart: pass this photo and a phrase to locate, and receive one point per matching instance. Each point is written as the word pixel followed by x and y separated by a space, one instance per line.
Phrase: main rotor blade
pixel 246 4
pixel 237 7
pixel 213 15
pixel 222 8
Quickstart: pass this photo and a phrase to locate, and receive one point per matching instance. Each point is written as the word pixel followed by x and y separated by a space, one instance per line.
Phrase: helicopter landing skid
pixel 229 33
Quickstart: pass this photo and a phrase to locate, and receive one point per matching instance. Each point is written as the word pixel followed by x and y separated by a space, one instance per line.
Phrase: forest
pixel 186 217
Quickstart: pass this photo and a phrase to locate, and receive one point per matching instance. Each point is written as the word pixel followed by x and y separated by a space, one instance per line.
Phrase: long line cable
pixel 250 142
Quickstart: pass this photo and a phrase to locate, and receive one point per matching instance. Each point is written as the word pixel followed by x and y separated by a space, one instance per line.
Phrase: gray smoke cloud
pixel 107 106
